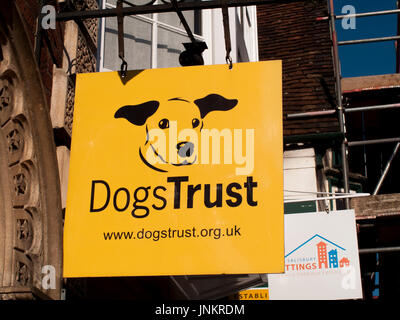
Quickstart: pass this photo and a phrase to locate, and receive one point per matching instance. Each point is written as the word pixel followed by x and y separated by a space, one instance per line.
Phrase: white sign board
pixel 321 258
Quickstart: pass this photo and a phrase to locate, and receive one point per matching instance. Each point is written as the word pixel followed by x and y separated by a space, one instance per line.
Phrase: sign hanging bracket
pixel 183 20
pixel 192 56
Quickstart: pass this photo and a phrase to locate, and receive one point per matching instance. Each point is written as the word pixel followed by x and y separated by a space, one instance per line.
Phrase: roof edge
pixel 378 82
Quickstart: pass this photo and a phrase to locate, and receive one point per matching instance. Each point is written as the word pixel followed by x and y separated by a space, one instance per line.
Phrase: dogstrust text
pixel 232 195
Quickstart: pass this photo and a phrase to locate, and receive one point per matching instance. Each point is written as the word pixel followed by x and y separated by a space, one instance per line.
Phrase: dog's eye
pixel 164 123
pixel 195 123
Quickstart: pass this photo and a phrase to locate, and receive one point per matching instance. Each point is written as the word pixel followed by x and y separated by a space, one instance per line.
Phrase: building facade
pixel 299 33
pixel 37 85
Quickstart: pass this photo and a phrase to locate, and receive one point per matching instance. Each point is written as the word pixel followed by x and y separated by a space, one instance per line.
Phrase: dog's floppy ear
pixel 214 102
pixel 139 113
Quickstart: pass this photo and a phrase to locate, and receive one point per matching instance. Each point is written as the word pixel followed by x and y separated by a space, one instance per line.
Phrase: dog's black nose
pixel 185 149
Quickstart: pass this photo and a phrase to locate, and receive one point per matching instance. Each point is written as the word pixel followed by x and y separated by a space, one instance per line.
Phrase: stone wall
pixel 381 205
pixel 37 85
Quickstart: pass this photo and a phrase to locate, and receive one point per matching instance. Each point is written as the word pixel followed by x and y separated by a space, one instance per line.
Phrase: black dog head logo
pixel 183 113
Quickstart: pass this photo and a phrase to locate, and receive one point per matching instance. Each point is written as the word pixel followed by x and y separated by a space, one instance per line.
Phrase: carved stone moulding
pixel 69 106
pixel 30 202
pixel 85 59
pixel 90 24
pixel 6 99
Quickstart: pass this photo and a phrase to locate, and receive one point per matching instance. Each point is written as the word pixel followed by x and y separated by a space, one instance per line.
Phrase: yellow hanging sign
pixel 176 171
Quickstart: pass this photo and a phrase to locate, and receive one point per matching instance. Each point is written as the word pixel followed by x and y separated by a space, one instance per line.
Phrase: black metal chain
pixel 121 47
pixel 227 33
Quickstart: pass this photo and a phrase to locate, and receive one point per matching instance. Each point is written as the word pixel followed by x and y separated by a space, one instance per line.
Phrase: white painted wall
pixel 243 31
pixel 299 174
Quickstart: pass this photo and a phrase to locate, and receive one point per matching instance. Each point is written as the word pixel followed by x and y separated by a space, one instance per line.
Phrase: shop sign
pixel 253 294
pixel 176 171
pixel 321 258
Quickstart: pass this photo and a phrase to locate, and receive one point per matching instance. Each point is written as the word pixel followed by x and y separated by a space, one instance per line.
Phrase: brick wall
pixel 291 33
pixel 51 48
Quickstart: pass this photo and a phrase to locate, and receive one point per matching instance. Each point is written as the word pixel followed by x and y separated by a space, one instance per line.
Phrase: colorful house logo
pixel 321 253
pixel 344 262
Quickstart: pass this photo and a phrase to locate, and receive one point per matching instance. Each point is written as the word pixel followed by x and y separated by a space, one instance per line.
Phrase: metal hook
pixel 124 68
pixel 228 60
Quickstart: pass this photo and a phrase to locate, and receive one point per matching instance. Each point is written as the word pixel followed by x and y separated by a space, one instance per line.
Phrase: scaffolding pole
pixel 349 110
pixel 378 186
pixel 310 114
pixel 346 197
pixel 377 250
pixel 376 141
pixel 377 107
pixel 368 14
pixel 336 63
pixel 342 43
pixel 361 15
